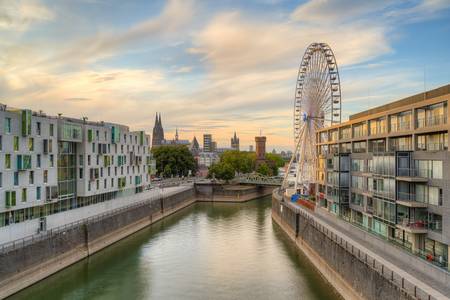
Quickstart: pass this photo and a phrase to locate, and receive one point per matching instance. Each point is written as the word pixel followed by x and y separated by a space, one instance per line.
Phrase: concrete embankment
pixel 216 192
pixel 355 271
pixel 23 266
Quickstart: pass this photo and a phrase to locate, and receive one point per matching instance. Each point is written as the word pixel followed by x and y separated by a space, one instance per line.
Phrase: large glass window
pixel 67 170
pixel 358 165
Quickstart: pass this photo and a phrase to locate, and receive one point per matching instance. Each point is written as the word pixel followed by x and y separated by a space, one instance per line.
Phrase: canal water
pixel 206 251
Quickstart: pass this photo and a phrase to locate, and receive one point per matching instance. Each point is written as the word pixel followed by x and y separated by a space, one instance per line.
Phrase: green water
pixel 206 251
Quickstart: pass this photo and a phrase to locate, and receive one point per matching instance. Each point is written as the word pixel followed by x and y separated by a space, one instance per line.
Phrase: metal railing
pixel 19 243
pixel 372 262
pixel 431 121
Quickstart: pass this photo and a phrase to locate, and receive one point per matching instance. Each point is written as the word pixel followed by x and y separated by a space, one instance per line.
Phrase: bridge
pixel 258 179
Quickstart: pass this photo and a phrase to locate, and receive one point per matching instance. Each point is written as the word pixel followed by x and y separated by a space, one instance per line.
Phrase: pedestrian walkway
pixel 382 251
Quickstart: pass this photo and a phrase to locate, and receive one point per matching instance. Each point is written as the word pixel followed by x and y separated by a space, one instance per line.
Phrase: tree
pixel 242 162
pixel 221 170
pixel 274 161
pixel 264 169
pixel 174 160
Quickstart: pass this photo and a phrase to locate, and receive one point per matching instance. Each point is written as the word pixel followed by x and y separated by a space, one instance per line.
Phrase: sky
pixel 213 66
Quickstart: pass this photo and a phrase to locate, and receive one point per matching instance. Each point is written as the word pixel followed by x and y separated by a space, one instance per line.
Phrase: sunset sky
pixel 213 66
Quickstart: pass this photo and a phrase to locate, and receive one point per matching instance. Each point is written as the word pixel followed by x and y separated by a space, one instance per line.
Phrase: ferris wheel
pixel 317 104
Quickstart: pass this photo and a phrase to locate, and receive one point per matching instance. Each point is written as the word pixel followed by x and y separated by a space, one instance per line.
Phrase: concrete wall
pixel 26 265
pixel 217 192
pixel 352 272
pixel 30 227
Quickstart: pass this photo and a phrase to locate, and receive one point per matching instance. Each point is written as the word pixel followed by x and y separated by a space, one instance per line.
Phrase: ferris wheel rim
pixel 333 75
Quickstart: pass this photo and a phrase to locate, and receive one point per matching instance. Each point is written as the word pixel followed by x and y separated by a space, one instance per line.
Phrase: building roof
pixel 440 91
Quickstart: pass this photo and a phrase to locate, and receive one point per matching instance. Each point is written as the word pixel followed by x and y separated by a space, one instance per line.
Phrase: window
pixel 51 129
pixel 89 186
pixel 45 176
pixel 1 179
pixel 97 183
pixel 81 160
pixel 97 134
pixel 38 193
pixel 38 128
pixel 7 125
pixel 89 160
pixel 16 143
pixel 1 143
pixel 7 161
pixel 16 178
pixel 434 195
pixel 52 160
pixel 31 144
pixel 24 195
pixel 93 147
pixel 81 173
pixel 31 177
pixel 112 182
pixel 38 161
pixel 104 183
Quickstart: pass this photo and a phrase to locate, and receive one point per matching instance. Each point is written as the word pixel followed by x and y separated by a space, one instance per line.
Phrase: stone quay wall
pixel 353 272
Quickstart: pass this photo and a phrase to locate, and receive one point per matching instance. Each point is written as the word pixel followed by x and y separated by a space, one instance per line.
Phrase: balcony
pixel 431 121
pixel 412 226
pixel 409 200
pixel 435 226
pixel 402 126
pixel 431 146
pixel 412 175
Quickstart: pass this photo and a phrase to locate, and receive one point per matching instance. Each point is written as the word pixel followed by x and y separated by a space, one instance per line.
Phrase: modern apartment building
pixel 52 164
pixel 387 170
pixel 207 143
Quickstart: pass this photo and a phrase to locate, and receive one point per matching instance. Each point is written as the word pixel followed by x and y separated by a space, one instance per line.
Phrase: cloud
pixel 18 15
pixel 175 16
pixel 336 11
pixel 232 43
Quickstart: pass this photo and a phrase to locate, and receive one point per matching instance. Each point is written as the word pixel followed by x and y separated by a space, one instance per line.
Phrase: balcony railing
pixel 412 223
pixel 431 121
pixel 432 146
pixel 435 226
pixel 413 172
pixel 402 126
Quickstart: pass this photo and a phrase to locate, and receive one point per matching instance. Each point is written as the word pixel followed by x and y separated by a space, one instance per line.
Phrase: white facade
pixel 53 164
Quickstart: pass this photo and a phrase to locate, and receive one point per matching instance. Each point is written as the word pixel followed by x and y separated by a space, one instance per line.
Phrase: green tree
pixel 264 169
pixel 221 170
pixel 242 162
pixel 274 161
pixel 174 160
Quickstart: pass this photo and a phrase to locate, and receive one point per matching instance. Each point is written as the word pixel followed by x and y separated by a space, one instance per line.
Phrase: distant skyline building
pixel 250 148
pixel 195 147
pixel 158 135
pixel 207 143
pixel 235 142
pixel 158 132
pixel 260 142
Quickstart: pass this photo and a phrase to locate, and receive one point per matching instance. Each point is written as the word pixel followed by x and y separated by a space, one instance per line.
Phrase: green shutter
pixel 26 122
pixel 89 135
